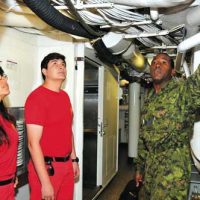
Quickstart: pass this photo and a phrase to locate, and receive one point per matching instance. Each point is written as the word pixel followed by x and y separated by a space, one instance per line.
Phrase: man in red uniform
pixel 48 113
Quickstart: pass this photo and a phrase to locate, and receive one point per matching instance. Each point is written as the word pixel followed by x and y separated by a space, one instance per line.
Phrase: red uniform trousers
pixel 62 181
pixel 7 192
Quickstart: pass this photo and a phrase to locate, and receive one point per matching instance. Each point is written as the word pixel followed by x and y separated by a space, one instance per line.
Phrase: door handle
pixel 101 129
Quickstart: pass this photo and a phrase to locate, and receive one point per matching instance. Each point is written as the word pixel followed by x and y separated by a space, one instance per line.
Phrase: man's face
pixel 56 69
pixel 160 69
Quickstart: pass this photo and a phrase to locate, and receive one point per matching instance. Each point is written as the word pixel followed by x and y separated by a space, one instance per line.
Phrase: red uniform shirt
pixel 53 111
pixel 8 152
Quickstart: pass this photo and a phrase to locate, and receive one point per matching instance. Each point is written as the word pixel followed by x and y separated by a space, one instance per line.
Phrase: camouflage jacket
pixel 167 117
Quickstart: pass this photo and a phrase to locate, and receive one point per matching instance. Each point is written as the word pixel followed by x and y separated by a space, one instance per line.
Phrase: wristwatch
pixel 75 160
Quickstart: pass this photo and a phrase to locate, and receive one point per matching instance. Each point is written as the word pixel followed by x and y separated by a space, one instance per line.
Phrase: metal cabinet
pixel 22 153
pixel 194 190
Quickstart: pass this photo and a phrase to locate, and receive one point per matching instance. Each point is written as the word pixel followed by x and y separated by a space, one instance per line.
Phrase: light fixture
pixel 138 61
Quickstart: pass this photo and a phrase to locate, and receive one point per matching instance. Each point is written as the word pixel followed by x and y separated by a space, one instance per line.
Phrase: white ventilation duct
pixel 152 3
pixel 189 43
pixel 116 43
pixel 190 17
pixel 183 47
pixel 129 52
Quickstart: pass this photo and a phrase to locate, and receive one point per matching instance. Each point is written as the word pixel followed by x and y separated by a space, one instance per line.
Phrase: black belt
pixel 6 182
pixel 56 159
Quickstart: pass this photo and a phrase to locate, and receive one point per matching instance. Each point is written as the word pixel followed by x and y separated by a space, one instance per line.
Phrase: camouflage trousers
pixel 166 176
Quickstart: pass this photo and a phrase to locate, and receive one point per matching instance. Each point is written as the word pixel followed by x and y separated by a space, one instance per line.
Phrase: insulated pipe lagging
pixel 51 16
pixel 189 43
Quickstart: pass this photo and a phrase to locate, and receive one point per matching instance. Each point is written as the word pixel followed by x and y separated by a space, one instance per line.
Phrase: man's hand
pixel 47 192
pixel 76 170
pixel 138 178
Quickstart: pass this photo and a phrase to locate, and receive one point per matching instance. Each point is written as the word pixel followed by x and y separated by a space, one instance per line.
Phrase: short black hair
pixel 49 57
pixel 1 71
pixel 170 59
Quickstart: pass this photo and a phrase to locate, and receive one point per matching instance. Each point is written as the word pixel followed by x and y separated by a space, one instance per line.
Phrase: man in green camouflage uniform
pixel 163 163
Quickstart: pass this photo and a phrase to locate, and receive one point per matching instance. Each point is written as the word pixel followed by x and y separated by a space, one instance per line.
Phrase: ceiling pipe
pixel 183 47
pixel 154 14
pixel 152 3
pixel 189 43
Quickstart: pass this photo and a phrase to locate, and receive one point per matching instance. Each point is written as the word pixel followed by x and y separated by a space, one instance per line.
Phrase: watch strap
pixel 75 160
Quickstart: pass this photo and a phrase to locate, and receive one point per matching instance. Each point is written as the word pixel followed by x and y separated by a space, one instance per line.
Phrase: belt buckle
pixel 66 158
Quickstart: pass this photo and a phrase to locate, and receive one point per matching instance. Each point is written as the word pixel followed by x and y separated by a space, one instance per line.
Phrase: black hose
pixel 44 10
pixel 104 54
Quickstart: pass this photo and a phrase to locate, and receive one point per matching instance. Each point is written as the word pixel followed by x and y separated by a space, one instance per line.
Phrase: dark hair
pixel 171 61
pixel 1 71
pixel 4 113
pixel 49 57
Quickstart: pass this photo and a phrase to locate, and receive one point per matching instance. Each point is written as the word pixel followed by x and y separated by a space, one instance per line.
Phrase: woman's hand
pixel 16 182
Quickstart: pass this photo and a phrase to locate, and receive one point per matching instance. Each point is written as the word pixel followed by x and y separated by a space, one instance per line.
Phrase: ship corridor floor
pixel 124 174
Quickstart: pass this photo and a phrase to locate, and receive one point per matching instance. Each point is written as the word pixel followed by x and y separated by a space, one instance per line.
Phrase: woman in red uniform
pixel 8 145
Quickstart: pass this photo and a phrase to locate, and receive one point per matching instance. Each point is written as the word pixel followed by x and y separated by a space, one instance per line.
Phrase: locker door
pixel 108 127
